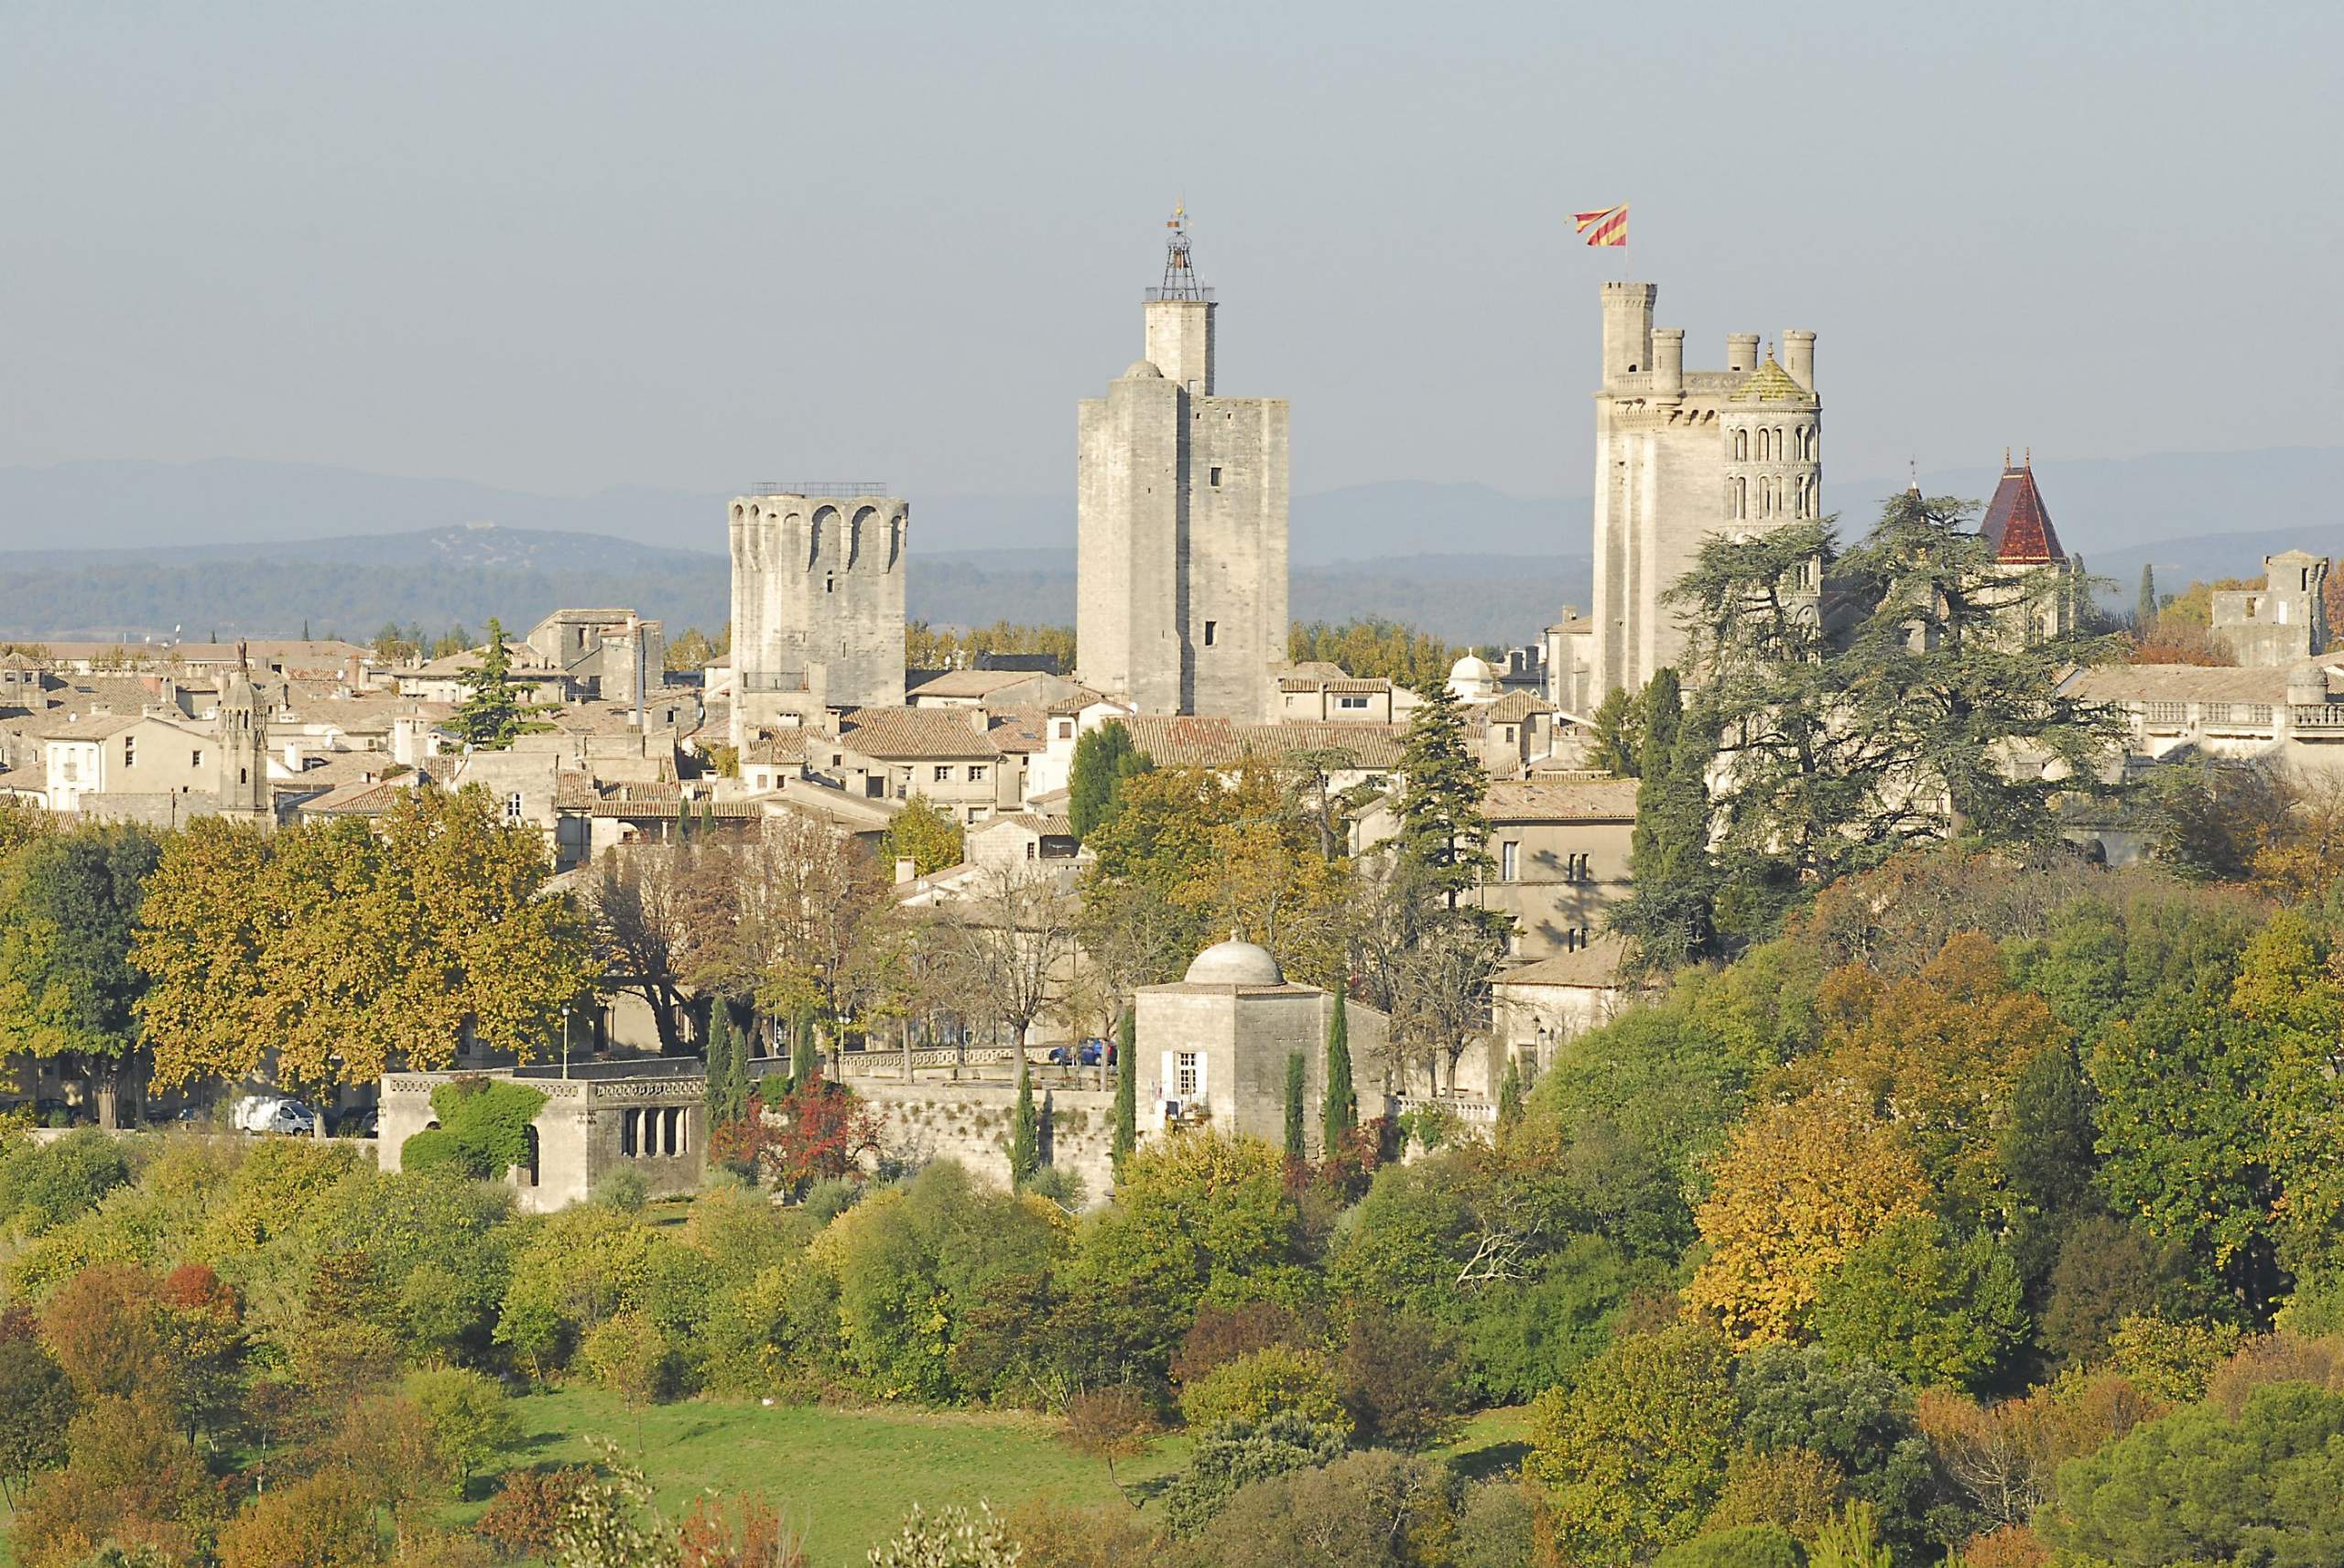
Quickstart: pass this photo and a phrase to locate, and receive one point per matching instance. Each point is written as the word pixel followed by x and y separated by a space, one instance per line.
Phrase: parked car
pixel 1089 1053
pixel 253 1113
pixel 293 1118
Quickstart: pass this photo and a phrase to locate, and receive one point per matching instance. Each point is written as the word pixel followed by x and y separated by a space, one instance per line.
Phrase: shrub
pixel 624 1189
pixel 522 1517
pixel 324 1522
pixel 469 1419
pixel 1372 1509
pixel 629 1356
pixel 1228 1458
pixel 1397 1380
pixel 951 1537
pixel 1222 1334
pixel 1794 1487
pixel 1737 1546
pixel 1276 1380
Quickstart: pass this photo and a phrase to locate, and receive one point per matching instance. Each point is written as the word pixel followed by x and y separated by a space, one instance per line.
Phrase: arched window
pixel 1742 446
pixel 526 1172
pixel 1741 498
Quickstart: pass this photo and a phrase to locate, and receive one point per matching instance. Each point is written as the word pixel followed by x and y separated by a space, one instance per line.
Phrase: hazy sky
pixel 561 246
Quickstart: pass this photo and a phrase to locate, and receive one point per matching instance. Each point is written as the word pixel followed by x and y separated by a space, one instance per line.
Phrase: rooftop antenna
pixel 1179 272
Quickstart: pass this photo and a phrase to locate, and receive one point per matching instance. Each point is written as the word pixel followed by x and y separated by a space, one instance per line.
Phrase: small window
pixel 976 773
pixel 830 582
pixel 1212 632
pixel 1189 1072
pixel 1351 704
pixel 979 813
pixel 195 759
pixel 1216 479
pixel 1066 729
pixel 1509 861
pixel 513 807
pixel 943 773
pixel 1033 850
pixel 129 752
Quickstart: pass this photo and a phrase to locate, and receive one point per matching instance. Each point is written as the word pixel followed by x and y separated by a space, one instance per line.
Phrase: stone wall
pixel 970 1122
pixel 817 581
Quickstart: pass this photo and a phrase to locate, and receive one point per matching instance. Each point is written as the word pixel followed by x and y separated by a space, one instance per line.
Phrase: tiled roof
pixel 896 734
pixel 360 799
pixel 646 801
pixel 2017 524
pixel 1598 964
pixel 1194 741
pixel 86 727
pixel 1592 800
pixel 969 683
pixel 1770 383
pixel 2179 683
pixel 1516 706
pixel 786 747
pixel 1048 827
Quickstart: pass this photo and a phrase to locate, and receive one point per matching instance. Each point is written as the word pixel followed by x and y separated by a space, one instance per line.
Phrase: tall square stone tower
pixel 817 602
pixel 1181 513
pixel 1681 455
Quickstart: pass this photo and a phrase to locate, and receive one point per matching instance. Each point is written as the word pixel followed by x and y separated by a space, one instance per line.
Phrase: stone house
pixel 2282 623
pixel 1559 850
pixel 1536 1008
pixel 970 763
pixel 607 654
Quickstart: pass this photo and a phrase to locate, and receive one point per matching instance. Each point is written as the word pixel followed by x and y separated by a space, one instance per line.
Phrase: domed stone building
pixel 1211 1048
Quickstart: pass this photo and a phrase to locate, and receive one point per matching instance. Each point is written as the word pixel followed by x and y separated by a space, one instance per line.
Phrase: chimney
pixel 980 721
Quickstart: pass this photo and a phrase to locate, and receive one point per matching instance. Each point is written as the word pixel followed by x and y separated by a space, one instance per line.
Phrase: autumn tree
pixel 649 906
pixel 343 949
pixel 925 834
pixel 1798 1187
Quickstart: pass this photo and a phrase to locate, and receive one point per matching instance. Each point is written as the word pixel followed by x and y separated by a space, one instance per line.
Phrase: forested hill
pixel 464 574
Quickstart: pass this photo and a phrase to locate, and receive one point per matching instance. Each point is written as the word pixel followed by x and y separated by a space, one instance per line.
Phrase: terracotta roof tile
pixel 1589 800
pixel 2017 525
pixel 895 735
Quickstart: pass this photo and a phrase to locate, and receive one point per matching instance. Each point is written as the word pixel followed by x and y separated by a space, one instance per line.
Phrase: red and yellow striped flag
pixel 1607 227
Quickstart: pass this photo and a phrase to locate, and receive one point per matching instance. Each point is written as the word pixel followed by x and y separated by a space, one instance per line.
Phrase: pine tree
pixel 1612 734
pixel 1341 1112
pixel 1441 829
pixel 1126 1086
pixel 1024 1133
pixel 2144 614
pixel 1670 911
pixel 1295 1071
pixel 493 714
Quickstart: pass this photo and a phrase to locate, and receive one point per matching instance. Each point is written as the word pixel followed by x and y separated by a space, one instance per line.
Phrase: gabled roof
pixel 1596 965
pixel 919 734
pixel 2018 525
pixel 1585 800
pixel 1514 707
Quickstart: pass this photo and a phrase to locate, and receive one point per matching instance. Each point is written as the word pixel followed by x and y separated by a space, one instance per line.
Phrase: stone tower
pixel 817 603
pixel 1681 455
pixel 1181 515
pixel 244 748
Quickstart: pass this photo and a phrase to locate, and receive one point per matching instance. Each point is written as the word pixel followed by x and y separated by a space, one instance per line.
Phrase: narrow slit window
pixel 1212 632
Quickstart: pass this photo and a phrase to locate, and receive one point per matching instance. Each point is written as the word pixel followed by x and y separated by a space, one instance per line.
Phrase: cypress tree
pixel 1294 1082
pixel 1510 1094
pixel 1341 1109
pixel 1127 1088
pixel 1090 784
pixel 718 1070
pixel 1660 712
pixel 736 1069
pixel 1024 1133
pixel 1671 909
pixel 2144 614
pixel 803 1067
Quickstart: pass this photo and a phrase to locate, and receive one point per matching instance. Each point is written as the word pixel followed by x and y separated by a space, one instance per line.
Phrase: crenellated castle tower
pixel 817 603
pixel 1681 455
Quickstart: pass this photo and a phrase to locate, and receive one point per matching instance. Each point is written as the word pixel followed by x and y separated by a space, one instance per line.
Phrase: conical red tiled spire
pixel 2018 525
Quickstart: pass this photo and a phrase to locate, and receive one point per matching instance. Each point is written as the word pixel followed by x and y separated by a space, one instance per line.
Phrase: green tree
pixel 1670 914
pixel 1294 1092
pixel 2266 1487
pixel 470 1418
pixel 1737 1546
pixel 68 989
pixel 1613 743
pixel 1839 746
pixel 1855 1415
pixel 1126 1086
pixel 492 715
pixel 1341 1109
pixel 1937 1313
pixel 924 834
pixel 2145 609
pixel 35 1403
pixel 1025 1129
pixel 1103 759
pixel 1441 830
pixel 1228 1458
pixel 1633 1455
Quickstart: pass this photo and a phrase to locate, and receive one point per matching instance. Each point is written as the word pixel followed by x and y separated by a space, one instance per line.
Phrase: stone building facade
pixel 1679 456
pixel 1181 512
pixel 2282 623
pixel 817 604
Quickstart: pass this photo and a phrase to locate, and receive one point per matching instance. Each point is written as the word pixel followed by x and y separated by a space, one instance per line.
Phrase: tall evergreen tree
pixel 1670 912
pixel 493 714
pixel 1025 1132
pixel 1296 1074
pixel 1339 1114
pixel 1612 734
pixel 1127 1088
pixel 718 1056
pixel 1660 711
pixel 804 1066
pixel 1510 1093
pixel 1442 830
pixel 1099 757
pixel 2145 613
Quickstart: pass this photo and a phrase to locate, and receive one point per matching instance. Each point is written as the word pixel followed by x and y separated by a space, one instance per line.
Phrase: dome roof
pixel 1142 370
pixel 1471 667
pixel 1235 963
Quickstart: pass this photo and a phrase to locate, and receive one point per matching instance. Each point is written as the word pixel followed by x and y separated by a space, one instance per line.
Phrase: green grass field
pixel 846 1477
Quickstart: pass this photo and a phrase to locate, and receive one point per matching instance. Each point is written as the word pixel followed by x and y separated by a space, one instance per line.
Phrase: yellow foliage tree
pixel 1798 1187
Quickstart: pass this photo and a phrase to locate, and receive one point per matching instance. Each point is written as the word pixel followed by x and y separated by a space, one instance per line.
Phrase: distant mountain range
pixel 232 545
